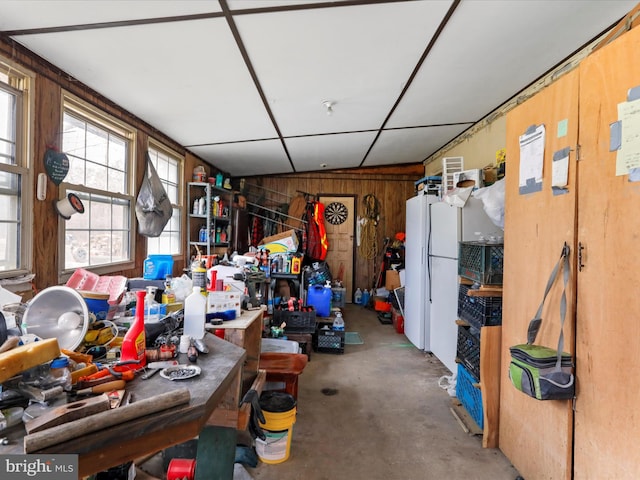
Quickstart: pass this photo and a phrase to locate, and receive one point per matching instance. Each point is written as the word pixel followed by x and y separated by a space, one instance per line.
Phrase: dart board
pixel 335 213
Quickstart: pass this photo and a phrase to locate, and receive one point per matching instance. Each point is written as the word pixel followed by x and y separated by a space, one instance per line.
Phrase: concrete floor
pixel 388 419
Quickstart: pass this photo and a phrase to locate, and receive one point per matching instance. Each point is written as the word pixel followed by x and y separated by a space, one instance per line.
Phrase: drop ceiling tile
pixel 250 4
pixel 490 50
pixel 356 56
pixel 166 79
pixel 246 158
pixel 411 145
pixel 28 14
pixel 336 151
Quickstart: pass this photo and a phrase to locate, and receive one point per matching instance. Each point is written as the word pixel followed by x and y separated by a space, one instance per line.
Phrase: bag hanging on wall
pixel 153 206
pixel 541 372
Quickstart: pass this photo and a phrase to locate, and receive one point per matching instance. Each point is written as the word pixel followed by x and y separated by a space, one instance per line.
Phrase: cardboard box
pixel 281 243
pixel 392 280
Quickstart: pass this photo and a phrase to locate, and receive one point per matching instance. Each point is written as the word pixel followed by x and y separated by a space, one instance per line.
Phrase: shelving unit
pixel 216 218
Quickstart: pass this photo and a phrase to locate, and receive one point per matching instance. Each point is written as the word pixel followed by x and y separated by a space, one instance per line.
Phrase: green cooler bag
pixel 542 372
pixel 533 371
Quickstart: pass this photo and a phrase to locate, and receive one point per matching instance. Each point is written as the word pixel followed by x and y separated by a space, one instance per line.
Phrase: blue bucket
pixel 157 267
pixel 97 303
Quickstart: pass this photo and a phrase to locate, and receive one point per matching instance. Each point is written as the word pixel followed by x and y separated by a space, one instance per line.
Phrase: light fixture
pixel 329 106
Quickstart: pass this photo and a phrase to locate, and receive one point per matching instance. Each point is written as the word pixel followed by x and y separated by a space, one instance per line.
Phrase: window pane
pixel 96 145
pixel 117 153
pixel 73 138
pixel 172 193
pixel 7 128
pixel 97 176
pixel 76 173
pixel 9 221
pixel 117 181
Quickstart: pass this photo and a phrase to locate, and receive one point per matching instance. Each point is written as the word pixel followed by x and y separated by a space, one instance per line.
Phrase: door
pixel 444 309
pixel 416 306
pixel 537 436
pixel 445 230
pixel 340 223
pixel 606 419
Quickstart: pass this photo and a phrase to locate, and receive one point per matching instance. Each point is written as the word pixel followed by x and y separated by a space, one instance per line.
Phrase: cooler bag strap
pixel 563 304
pixel 536 321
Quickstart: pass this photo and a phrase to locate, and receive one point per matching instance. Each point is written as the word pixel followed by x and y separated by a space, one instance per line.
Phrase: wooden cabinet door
pixel 607 423
pixel 537 435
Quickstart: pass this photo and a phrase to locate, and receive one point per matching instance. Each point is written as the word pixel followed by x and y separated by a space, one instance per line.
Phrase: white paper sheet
pixel 532 156
pixel 628 156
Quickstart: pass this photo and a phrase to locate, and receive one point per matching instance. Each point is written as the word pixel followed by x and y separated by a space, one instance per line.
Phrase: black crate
pixel 479 311
pixel 468 351
pixel 296 322
pixel 481 262
pixel 328 341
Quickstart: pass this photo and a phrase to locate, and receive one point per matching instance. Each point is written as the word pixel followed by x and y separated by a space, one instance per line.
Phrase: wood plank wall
pixel 391 186
pixel 49 83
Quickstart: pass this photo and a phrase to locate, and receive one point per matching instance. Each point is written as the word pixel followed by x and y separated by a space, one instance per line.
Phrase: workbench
pixel 142 437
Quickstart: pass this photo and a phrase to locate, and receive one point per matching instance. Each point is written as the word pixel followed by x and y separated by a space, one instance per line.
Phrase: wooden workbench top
pixel 121 443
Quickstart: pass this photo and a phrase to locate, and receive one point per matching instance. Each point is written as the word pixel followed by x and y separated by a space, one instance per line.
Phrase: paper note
pixel 628 155
pixel 531 160
pixel 562 128
pixel 560 170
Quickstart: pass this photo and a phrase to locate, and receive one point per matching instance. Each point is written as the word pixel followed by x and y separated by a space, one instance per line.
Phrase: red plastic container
pixel 180 468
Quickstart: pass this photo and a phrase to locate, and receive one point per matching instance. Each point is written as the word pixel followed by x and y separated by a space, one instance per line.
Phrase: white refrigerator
pixel 416 286
pixel 448 226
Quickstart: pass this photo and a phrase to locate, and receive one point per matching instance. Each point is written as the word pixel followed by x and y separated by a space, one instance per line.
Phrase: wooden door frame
pixel 355 224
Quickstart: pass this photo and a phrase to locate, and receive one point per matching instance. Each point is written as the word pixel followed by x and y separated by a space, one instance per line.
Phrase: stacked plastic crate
pixel 479 305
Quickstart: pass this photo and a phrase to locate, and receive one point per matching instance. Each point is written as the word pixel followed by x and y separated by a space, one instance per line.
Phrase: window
pixel 169 168
pixel 15 211
pixel 100 152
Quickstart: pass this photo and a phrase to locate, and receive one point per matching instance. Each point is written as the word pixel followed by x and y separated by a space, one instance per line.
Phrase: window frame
pixel 20 84
pixel 93 115
pixel 154 144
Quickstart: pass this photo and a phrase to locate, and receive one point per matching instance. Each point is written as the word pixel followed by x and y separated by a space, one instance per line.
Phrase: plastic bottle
pixel 195 310
pixel 151 307
pixel 168 295
pixel 202 206
pixel 338 322
pixel 365 297
pixel 59 373
pixel 357 297
pixel 133 345
pixel 202 235
pixel 199 275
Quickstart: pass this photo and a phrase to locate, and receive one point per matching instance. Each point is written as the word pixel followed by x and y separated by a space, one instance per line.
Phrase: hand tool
pixel 102 388
pixel 149 373
pixel 163 364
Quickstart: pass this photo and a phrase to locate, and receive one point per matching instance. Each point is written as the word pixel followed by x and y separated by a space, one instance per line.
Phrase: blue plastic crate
pixel 468 350
pixel 469 396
